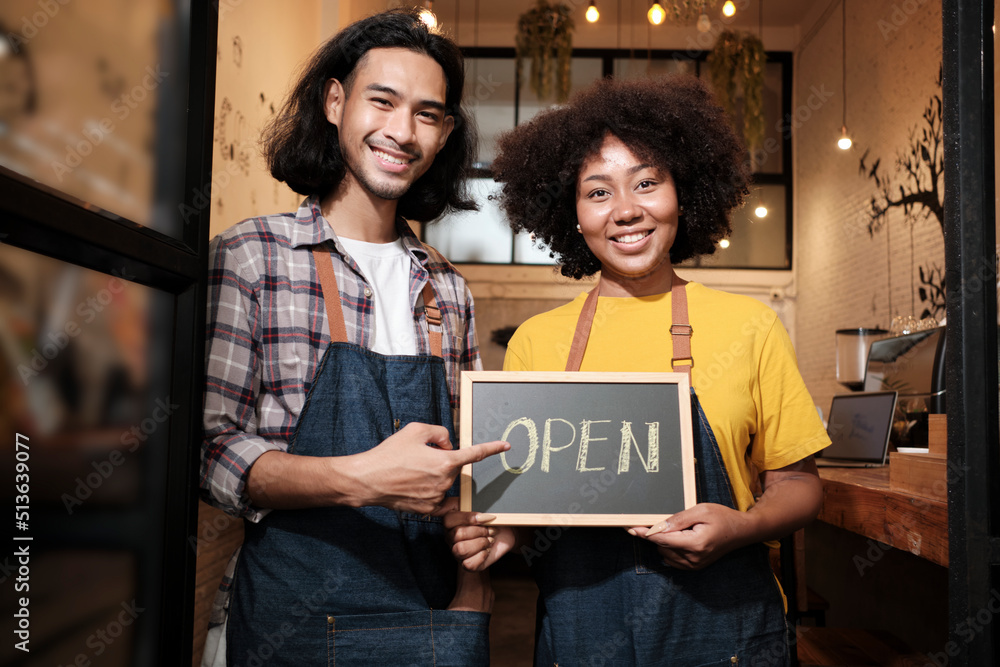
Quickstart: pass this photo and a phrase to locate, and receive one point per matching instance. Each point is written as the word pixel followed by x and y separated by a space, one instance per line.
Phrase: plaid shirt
pixel 268 330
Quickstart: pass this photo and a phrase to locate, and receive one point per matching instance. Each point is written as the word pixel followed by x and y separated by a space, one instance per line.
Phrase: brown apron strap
pixel 331 295
pixel 680 328
pixel 335 311
pixel 582 333
pixel 433 315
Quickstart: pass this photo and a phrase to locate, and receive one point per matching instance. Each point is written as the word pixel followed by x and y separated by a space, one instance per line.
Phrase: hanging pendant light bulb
pixel 728 9
pixel 760 210
pixel 704 23
pixel 592 13
pixel 845 140
pixel 724 243
pixel 428 17
pixel 656 14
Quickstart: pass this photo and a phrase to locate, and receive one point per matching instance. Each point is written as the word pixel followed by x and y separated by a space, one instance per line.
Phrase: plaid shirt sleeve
pixel 232 382
pixel 461 349
pixel 469 360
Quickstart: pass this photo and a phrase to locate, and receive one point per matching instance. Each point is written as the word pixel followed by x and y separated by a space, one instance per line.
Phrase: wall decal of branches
pixel 916 187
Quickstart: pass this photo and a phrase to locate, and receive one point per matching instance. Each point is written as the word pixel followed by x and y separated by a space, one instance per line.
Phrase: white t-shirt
pixel 386 266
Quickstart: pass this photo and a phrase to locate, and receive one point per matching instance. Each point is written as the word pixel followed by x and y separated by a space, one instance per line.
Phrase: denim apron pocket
pixel 418 638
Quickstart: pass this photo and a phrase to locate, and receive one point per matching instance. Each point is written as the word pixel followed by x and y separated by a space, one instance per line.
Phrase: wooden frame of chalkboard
pixel 587 449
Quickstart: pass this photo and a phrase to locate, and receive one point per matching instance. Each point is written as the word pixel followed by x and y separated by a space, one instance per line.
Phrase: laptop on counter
pixel 859 427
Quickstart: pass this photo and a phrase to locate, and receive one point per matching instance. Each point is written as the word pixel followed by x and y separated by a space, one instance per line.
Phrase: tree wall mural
pixel 916 188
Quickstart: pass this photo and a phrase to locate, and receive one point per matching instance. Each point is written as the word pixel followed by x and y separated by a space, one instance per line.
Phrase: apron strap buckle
pixel 433 314
pixel 435 325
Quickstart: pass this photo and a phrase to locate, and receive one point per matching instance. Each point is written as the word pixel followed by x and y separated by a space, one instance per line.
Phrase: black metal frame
pixel 39 219
pixel 970 260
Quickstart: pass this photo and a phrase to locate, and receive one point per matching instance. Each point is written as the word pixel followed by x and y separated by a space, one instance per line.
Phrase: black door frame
pixel 37 219
pixel 970 260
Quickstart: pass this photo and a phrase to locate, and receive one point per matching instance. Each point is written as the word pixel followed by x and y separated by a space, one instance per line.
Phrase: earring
pixel 680 210
pixel 578 229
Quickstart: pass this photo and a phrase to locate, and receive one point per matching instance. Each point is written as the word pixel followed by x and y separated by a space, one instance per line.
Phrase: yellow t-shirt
pixel 744 373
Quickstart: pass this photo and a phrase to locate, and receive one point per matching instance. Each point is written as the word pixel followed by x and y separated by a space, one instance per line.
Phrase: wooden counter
pixel 859 500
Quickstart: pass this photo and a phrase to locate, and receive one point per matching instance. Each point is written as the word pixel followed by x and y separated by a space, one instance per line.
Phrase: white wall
pixel 261 46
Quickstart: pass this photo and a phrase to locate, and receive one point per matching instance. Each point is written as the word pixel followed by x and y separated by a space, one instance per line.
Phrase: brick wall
pixel 843 273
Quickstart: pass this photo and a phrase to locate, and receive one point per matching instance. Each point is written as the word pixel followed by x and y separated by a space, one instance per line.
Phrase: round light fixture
pixel 729 8
pixel 704 24
pixel 656 14
pixel 724 243
pixel 760 211
pixel 592 13
pixel 845 141
pixel 428 17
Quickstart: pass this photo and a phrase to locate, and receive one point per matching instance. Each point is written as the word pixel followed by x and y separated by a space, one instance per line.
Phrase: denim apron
pixel 355 586
pixel 606 598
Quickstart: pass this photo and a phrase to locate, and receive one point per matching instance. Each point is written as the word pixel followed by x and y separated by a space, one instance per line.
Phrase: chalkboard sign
pixel 587 449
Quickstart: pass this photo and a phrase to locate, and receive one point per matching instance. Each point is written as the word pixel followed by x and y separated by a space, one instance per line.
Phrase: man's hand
pixel 409 471
pixel 403 473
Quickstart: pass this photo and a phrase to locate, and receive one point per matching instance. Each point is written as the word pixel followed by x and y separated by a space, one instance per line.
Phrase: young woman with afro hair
pixel 628 179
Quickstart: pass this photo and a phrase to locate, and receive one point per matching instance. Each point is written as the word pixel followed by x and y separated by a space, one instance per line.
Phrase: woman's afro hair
pixel 672 122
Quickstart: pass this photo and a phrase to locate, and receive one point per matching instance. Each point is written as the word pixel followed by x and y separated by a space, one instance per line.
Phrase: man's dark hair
pixel 302 148
pixel 672 123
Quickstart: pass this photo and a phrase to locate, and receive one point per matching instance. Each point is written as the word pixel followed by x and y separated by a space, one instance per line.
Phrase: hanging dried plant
pixel 542 32
pixel 686 11
pixel 736 65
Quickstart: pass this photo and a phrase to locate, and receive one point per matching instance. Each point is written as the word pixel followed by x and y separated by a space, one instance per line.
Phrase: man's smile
pixel 382 155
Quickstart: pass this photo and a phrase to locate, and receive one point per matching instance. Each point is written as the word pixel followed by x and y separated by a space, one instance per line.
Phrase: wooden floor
pixel 512 628
pixel 850 647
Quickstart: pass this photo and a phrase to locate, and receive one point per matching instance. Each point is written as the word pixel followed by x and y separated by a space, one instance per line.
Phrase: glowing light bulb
pixel 729 8
pixel 592 13
pixel 429 19
pixel 845 141
pixel 704 24
pixel 656 14
pixel 760 211
pixel 724 243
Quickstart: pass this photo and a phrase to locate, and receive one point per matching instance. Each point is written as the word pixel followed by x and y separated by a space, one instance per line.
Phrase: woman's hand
pixel 475 544
pixel 704 533
pixel 698 536
pixel 473 592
